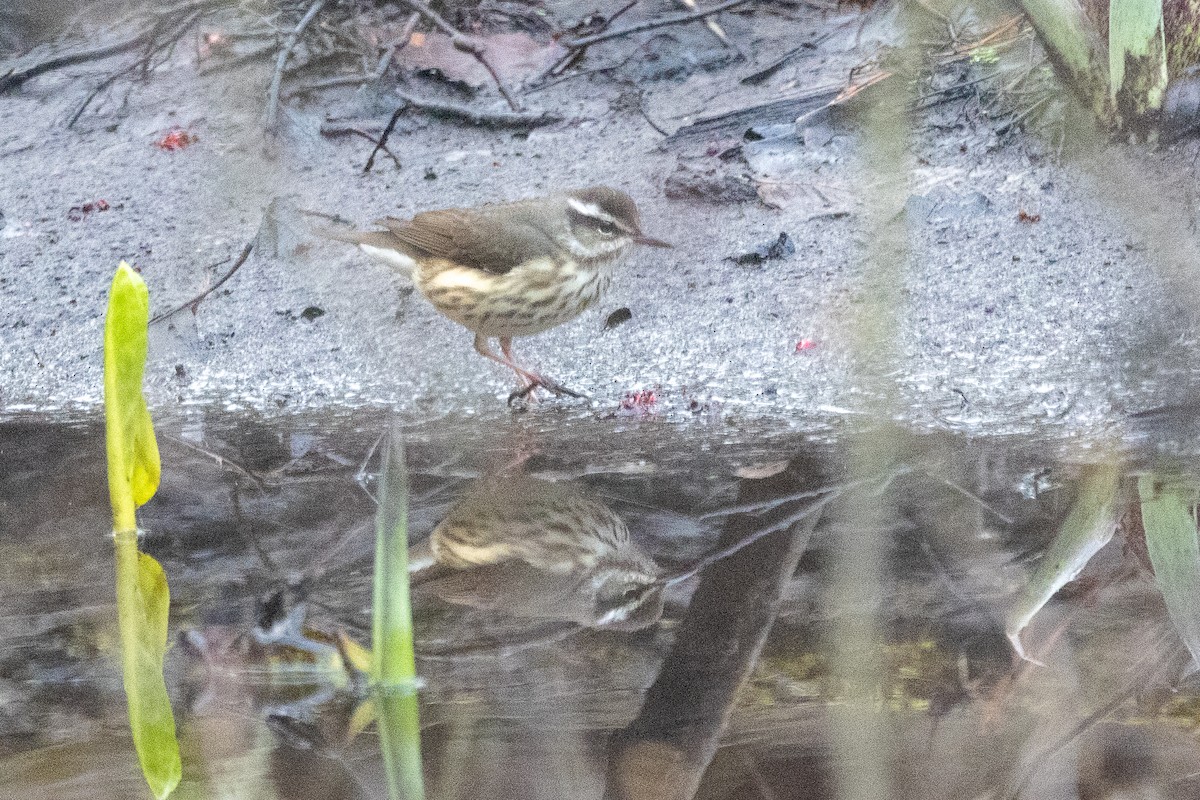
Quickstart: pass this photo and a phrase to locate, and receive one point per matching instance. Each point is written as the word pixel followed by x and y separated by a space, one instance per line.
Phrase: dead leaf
pixel 516 56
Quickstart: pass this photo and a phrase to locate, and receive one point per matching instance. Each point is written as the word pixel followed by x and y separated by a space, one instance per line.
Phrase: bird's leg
pixel 529 380
pixel 535 380
pixel 525 377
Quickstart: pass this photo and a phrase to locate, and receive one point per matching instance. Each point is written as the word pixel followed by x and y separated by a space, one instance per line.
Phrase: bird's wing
pixel 491 238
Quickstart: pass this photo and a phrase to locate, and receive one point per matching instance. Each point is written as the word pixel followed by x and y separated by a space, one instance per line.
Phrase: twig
pixel 375 76
pixel 650 24
pixel 580 74
pixel 716 29
pixel 500 119
pixel 15 78
pixel 281 61
pixel 468 44
pixel 642 110
pixel 382 143
pixel 222 461
pixel 195 301
pixel 571 56
pixel 157 46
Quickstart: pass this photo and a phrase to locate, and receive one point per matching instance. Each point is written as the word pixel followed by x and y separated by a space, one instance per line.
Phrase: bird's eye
pixel 607 228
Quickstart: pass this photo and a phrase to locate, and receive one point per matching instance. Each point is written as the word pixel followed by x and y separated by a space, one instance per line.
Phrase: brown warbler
pixel 512 269
pixel 538 550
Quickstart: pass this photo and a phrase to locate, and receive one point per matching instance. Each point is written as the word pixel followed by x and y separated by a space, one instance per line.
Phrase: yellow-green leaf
pixel 133 463
pixel 143 602
pixel 357 656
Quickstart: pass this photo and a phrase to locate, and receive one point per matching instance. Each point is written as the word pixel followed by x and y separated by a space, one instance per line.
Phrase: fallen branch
pixel 468 44
pixel 499 119
pixel 195 301
pixel 15 78
pixel 650 24
pixel 281 61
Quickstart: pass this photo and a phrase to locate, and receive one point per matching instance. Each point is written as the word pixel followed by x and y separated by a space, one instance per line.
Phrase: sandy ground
pixel 1006 324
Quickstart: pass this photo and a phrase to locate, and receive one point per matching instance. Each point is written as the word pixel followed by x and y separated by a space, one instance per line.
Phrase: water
pixel 771 675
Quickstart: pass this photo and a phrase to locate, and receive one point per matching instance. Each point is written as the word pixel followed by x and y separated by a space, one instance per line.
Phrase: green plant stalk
pixel 143 598
pixel 393 667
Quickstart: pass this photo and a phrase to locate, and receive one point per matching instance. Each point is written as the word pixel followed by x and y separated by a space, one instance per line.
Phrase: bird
pixel 538 550
pixel 504 270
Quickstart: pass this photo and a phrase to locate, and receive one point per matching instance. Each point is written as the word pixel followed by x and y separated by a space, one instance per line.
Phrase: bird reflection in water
pixel 538 550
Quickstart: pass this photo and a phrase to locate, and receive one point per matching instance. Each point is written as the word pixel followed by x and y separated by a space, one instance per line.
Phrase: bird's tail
pixel 380 245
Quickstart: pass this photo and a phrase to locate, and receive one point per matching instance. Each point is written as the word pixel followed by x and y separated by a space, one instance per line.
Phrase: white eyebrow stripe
pixel 590 210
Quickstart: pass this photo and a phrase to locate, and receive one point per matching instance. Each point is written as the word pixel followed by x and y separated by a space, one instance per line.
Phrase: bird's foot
pixel 536 381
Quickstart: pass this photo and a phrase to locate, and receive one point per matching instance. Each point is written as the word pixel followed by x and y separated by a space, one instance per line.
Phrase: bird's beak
pixel 646 240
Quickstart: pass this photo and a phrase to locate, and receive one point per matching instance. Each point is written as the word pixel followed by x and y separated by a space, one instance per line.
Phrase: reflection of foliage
pixel 143 599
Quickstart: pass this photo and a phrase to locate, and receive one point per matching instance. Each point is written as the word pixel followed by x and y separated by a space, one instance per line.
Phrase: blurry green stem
pixel 393 668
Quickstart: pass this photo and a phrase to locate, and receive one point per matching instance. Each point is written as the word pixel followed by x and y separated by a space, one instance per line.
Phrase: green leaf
pixel 393 667
pixel 133 462
pixel 143 602
pixel 1174 553
pixel 400 741
pixel 393 659
pixel 1089 526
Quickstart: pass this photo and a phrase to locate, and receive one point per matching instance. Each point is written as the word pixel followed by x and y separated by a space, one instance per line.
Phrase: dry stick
pixel 642 110
pixel 382 143
pixel 468 44
pixel 716 29
pixel 389 51
pixel 281 61
pixel 559 66
pixel 15 78
pixel 144 61
pixel 504 119
pixel 195 301
pixel 650 24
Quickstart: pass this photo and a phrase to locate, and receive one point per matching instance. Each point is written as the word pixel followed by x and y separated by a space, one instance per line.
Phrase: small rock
pixel 779 249
pixel 618 317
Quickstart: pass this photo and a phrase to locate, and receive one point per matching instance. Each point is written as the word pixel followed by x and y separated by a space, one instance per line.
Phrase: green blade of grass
pixel 143 598
pixel 1174 553
pixel 393 661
